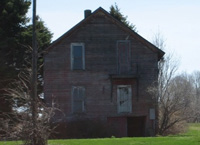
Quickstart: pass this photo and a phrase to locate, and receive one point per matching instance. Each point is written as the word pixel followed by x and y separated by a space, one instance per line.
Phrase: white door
pixel 124 99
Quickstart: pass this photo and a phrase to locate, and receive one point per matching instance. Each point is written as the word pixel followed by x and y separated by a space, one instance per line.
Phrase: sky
pixel 178 21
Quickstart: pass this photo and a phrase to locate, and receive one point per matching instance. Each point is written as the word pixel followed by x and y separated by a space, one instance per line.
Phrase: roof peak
pixel 116 22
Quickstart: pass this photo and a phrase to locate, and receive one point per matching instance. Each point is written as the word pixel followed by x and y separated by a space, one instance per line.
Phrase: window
pixel 77 56
pixel 152 113
pixel 78 94
pixel 124 99
pixel 123 51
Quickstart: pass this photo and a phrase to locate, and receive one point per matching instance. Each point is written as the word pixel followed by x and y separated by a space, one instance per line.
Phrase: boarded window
pixel 78 94
pixel 77 56
pixel 124 98
pixel 123 50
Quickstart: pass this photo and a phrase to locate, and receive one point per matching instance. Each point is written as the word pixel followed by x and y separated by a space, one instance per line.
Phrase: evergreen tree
pixel 115 12
pixel 12 21
pixel 16 41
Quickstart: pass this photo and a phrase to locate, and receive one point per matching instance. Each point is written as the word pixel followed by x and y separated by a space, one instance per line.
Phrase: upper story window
pixel 123 53
pixel 77 56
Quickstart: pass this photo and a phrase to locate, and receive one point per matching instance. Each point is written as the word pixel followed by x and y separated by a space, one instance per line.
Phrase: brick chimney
pixel 87 13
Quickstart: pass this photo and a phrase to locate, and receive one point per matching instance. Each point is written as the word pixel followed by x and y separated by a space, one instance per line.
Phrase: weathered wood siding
pixel 100 36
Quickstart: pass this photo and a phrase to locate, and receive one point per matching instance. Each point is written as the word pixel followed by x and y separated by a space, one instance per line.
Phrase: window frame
pixel 129 99
pixel 152 114
pixel 72 55
pixel 128 56
pixel 83 99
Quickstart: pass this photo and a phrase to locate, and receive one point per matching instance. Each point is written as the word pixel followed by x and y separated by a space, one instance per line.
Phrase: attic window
pixel 77 56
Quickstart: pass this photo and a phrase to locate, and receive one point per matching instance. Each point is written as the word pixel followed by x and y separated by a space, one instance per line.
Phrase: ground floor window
pixel 78 95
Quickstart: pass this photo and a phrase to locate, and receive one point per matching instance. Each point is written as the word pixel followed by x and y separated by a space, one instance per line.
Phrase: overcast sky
pixel 177 20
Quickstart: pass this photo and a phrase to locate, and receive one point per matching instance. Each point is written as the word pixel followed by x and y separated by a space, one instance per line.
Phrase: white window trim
pixel 83 103
pixel 130 98
pixel 83 55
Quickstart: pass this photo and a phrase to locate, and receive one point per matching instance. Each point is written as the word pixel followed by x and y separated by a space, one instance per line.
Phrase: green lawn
pixel 192 137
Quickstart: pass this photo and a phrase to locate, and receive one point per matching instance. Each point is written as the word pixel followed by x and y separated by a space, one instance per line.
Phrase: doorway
pixel 124 98
pixel 136 126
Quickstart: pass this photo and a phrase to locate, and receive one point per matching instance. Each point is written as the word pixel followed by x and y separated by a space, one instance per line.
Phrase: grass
pixel 192 137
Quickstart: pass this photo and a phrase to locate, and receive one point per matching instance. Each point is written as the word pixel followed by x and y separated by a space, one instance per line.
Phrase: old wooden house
pixel 100 70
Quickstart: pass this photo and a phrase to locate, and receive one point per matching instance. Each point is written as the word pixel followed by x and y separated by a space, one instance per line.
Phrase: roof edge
pixel 134 34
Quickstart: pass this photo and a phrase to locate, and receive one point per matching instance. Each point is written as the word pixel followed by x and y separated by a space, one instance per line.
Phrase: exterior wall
pixel 100 36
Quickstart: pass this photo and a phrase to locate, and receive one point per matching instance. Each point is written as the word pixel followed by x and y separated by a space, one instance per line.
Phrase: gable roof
pixel 117 22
